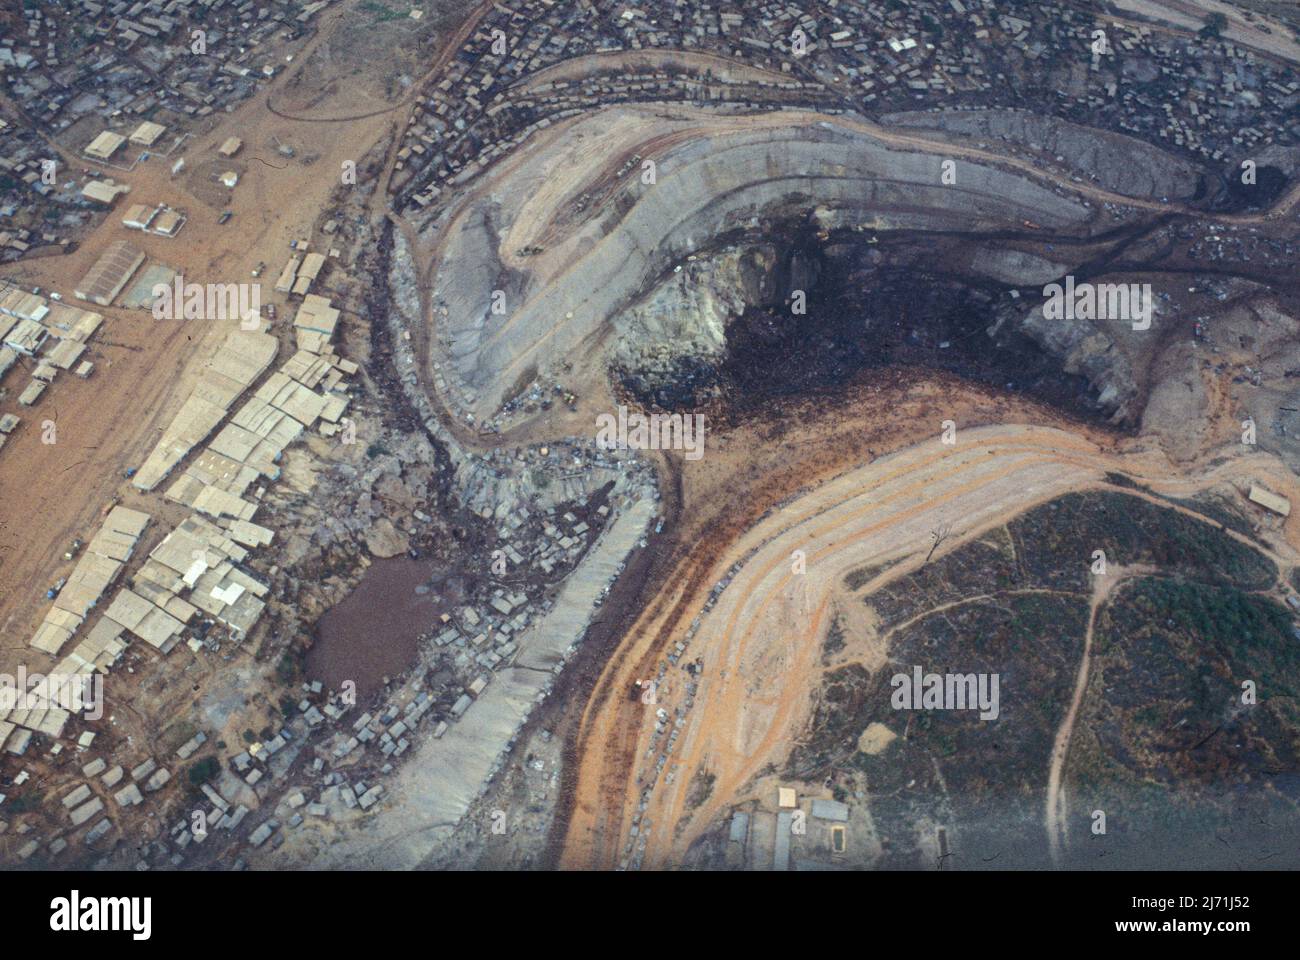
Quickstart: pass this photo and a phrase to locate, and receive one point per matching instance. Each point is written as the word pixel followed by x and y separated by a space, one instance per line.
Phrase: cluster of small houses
pixel 483 636
pixel 195 585
pixel 268 760
pixel 760 838
pixel 132 64
pixel 51 335
pixel 1211 99
pixel 200 566
pixel 478 640
pixel 25 190
pixel 263 762
pixel 30 177
pixel 132 58
pixel 55 334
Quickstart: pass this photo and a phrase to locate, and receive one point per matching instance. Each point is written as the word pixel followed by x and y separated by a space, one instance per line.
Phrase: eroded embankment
pixel 729 706
pixel 558 283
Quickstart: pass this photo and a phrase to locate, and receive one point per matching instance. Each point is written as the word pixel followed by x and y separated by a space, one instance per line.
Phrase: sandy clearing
pixel 50 494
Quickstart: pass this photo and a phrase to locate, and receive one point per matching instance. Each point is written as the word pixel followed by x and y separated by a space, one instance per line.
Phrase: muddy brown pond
pixel 374 632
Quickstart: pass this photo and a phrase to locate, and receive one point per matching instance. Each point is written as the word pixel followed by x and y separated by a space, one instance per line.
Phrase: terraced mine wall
pixel 1123 164
pixel 705 186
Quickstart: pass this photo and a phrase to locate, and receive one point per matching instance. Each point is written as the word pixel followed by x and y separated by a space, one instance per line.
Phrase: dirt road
pixel 51 493
pixel 1057 818
pixel 760 640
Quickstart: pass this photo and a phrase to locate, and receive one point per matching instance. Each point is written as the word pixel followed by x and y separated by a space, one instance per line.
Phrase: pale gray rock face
pixel 1084 347
pixel 685 318
pixel 705 188
pixel 1118 163
pixel 1015 267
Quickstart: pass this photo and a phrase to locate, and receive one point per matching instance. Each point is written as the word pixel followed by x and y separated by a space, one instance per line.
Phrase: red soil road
pixel 756 641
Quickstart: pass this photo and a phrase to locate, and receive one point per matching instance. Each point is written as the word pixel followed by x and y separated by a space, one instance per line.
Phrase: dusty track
pixel 759 643
pixel 1057 806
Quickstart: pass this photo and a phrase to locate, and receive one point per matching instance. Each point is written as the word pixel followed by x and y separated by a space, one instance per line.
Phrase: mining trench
pixel 934 321
pixel 642 580
pixel 868 321
pixel 397 409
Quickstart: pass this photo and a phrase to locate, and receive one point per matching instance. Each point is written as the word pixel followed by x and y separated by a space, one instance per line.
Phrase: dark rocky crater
pixel 754 321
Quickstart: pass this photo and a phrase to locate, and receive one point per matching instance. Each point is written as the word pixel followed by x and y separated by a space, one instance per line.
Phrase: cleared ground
pixel 145 368
pixel 759 644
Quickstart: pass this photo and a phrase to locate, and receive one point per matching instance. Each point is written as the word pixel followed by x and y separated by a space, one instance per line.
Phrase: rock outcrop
pixel 605 235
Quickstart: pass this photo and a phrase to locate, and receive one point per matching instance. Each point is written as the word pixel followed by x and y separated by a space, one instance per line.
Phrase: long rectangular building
pixel 109 274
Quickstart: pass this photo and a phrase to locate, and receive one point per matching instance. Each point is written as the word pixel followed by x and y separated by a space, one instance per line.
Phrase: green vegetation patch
pixel 1169 654
pixel 949 766
pixel 1164 740
pixel 382 14
pixel 1130 531
pixel 204 770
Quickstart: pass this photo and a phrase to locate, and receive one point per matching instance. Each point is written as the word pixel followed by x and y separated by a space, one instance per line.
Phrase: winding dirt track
pixel 759 643
pixel 1057 805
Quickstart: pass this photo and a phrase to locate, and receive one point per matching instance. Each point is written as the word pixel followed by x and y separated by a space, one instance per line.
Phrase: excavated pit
pixel 870 307
pixel 1239 197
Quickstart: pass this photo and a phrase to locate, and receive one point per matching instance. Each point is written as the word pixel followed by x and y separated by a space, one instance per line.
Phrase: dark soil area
pixel 861 315
pixel 1270 183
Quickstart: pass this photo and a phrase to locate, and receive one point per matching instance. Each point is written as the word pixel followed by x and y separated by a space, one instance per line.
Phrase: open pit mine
pixel 810 437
